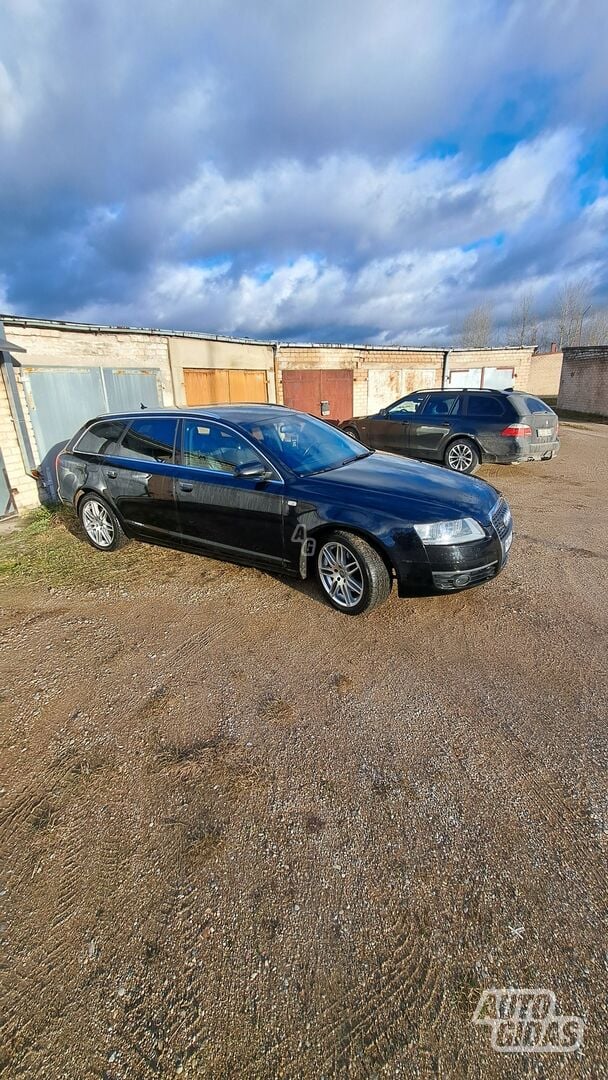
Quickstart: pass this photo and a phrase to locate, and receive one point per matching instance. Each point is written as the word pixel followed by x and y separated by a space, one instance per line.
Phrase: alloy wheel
pixel 341 574
pixel 98 523
pixel 460 457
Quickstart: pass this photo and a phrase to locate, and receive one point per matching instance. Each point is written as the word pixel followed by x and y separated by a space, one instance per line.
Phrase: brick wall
pixel 50 347
pixel 24 487
pixel 517 359
pixel 380 376
pixel 545 374
pixel 584 381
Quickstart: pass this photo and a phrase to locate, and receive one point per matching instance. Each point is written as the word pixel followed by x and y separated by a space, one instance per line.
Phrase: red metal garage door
pixel 306 390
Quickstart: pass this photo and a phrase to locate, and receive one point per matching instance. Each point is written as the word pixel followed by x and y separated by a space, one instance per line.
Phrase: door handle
pixel 185 486
pixel 112 474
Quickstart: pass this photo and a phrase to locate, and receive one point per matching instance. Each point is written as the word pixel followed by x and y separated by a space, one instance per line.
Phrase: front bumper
pixel 450 568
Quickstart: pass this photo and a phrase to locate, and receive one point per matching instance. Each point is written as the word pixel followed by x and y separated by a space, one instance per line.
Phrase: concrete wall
pixel 190 352
pixel 584 381
pixel 380 375
pixel 545 374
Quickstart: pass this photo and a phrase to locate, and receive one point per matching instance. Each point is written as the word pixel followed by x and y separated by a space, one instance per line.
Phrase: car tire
pixel 352 575
pixel 462 456
pixel 101 526
pixel 352 432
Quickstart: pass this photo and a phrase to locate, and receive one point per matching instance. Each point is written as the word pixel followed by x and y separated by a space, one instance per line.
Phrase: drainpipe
pixel 14 401
pixel 444 369
pixel 275 364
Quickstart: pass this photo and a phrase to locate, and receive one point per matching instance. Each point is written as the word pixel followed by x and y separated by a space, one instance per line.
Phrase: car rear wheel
pixel 462 456
pixel 350 431
pixel 352 575
pixel 100 524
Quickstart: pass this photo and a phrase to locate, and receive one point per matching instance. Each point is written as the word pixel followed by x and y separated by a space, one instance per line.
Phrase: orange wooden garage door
pixel 210 386
pixel 305 390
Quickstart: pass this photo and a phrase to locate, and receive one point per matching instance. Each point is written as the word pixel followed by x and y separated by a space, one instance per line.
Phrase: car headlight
pixel 461 531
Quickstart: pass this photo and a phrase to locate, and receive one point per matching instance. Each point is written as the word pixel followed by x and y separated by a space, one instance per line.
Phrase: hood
pixel 432 488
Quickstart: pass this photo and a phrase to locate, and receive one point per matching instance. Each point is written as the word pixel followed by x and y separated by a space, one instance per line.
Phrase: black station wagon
pixel 277 489
pixel 463 428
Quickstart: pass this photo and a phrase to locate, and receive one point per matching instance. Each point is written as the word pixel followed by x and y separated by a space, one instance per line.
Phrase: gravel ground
pixel 246 836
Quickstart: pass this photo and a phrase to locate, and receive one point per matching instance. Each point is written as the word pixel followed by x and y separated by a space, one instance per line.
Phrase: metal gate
pixel 320 391
pixel 61 399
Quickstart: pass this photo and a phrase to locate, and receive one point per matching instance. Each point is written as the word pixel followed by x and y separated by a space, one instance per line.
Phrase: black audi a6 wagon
pixel 280 490
pixel 463 428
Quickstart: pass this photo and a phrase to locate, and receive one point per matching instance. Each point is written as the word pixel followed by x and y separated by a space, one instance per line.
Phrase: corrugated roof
pixel 97 328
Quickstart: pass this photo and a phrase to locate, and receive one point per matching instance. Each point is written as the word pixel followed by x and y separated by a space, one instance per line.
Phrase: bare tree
pixel 574 305
pixel 595 330
pixel 524 328
pixel 477 328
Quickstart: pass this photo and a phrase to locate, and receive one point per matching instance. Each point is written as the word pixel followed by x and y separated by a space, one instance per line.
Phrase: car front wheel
pixel 100 524
pixel 462 456
pixel 352 575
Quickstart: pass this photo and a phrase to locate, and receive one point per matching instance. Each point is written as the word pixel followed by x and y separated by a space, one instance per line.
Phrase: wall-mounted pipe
pixel 14 401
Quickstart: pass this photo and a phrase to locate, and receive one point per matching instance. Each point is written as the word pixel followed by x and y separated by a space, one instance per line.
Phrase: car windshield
pixel 305 445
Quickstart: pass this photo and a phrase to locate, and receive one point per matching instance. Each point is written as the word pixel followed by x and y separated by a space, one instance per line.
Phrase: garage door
pixel 309 390
pixel 488 378
pixel 61 399
pixel 385 385
pixel 211 386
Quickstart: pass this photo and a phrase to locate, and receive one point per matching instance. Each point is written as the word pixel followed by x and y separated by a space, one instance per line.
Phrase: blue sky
pixel 335 170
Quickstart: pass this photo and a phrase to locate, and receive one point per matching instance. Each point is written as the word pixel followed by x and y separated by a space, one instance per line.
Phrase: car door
pixel 431 426
pixel 486 416
pixel 389 429
pixel 227 514
pixel 140 476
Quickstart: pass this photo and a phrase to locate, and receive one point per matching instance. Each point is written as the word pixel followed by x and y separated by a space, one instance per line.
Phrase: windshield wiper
pixel 338 464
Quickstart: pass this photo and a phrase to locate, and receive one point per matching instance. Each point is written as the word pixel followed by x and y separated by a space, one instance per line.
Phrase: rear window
pixel 101 438
pixel 485 405
pixel 534 404
pixel 151 439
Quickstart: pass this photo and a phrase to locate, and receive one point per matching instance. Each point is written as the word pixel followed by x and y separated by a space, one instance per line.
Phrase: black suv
pixel 462 428
pixel 277 489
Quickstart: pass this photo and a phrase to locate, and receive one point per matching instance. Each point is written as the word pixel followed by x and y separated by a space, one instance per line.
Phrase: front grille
pixel 500 516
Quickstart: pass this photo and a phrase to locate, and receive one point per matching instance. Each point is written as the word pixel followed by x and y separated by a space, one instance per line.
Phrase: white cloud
pixel 270 168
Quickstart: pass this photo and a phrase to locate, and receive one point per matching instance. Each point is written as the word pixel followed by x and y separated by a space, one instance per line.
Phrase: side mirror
pixel 251 470
pixel 383 412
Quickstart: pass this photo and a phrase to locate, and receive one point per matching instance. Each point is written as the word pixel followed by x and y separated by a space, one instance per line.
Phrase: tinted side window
pixel 209 446
pixel 101 438
pixel 534 404
pixel 151 439
pixel 485 405
pixel 439 405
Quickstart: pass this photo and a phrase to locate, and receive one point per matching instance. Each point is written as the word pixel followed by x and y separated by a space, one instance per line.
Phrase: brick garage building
pixel 339 381
pixel 67 373
pixel 584 381
pixel 497 369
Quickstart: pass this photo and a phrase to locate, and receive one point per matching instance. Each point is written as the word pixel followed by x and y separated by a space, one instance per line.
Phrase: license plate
pixel 544 432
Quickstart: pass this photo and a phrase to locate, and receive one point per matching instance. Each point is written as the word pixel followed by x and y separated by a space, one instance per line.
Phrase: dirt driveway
pixel 245 836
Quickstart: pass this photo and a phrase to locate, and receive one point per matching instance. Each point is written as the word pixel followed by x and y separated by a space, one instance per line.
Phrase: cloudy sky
pixel 323 170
